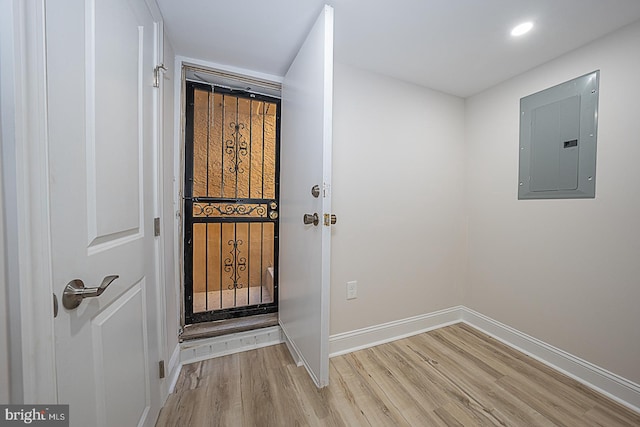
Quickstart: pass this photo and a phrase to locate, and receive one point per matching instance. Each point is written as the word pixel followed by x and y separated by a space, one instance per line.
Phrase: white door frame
pixel 31 335
pixel 158 197
pixel 26 195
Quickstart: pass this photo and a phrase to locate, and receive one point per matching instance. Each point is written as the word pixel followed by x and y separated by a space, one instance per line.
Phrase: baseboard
pixel 611 385
pixel 174 369
pixel 379 334
pixel 293 350
pixel 207 348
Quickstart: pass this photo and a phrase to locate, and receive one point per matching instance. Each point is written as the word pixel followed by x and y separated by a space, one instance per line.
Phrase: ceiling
pixel 459 47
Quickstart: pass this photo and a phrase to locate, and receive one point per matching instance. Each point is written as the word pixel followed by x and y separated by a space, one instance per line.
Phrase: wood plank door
pixel 305 249
pixel 100 112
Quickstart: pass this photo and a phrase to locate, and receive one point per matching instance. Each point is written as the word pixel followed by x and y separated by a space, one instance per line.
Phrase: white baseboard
pixel 614 386
pixel 293 350
pixel 208 348
pixel 359 339
pixel 174 369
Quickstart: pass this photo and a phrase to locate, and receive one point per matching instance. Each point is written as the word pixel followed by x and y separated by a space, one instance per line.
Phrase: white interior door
pixel 305 155
pixel 100 111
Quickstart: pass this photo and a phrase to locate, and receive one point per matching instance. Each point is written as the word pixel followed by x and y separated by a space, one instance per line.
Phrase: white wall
pixel 564 271
pixel 398 181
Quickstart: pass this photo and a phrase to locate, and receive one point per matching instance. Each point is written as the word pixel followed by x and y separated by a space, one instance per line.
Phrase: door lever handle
pixel 75 291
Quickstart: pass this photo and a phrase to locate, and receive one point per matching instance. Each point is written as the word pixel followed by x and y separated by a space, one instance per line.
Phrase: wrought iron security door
pixel 231 203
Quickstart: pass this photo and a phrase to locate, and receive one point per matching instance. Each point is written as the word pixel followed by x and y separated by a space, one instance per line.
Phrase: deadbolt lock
pixel 315 191
pixel 273 206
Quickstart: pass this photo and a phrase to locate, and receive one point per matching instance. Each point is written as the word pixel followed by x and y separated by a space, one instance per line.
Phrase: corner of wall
pixel 567 282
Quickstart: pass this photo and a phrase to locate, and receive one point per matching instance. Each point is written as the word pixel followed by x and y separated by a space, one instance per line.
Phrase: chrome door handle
pixel 75 291
pixel 311 219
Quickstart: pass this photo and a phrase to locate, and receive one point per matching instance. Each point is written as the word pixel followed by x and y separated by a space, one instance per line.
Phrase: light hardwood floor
pixel 453 376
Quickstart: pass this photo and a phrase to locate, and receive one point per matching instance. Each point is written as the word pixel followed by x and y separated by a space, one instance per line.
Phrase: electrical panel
pixel 558 135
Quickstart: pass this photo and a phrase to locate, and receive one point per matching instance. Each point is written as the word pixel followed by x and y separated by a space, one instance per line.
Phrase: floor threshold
pixel 228 326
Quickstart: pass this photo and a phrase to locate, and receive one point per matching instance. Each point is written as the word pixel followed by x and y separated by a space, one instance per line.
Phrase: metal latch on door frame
pixel 156 227
pixel 330 219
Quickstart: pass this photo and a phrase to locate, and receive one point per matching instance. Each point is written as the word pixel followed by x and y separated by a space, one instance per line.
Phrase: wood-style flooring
pixel 453 376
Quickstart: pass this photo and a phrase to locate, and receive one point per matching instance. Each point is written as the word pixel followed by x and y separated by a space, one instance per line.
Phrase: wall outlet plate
pixel 352 289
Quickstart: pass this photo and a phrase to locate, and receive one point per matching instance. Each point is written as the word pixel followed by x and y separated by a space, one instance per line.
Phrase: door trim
pixel 31 336
pixel 179 155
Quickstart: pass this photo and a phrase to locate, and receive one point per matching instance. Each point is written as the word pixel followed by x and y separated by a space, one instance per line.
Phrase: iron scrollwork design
pixel 236 146
pixel 235 264
pixel 210 209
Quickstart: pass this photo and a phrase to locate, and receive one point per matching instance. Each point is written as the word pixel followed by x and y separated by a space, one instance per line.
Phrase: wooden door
pixel 100 114
pixel 305 250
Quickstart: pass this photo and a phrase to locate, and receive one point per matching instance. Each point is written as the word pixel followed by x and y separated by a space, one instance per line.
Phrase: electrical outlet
pixel 352 290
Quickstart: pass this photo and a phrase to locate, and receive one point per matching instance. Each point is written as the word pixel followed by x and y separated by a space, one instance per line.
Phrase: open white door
pixel 100 112
pixel 305 155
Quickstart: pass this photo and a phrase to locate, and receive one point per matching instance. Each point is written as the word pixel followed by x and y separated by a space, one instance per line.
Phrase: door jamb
pixel 26 180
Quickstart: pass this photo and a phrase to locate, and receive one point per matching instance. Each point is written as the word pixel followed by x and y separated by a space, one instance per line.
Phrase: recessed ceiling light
pixel 521 29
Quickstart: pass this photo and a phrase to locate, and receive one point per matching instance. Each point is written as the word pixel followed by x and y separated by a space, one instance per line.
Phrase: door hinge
pixel 161 369
pixel 156 227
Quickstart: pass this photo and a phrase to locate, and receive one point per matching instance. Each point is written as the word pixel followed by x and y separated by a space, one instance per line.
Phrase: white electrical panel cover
pixel 558 135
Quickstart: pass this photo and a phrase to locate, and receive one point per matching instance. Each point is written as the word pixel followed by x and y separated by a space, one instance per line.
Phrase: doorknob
pixel 75 291
pixel 311 219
